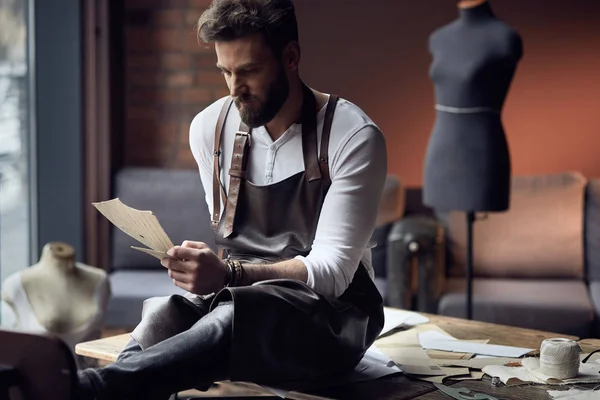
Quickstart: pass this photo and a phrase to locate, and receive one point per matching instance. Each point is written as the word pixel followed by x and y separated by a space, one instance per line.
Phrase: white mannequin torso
pixel 58 295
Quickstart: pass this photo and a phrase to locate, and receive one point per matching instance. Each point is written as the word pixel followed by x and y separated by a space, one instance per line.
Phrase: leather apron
pixel 284 331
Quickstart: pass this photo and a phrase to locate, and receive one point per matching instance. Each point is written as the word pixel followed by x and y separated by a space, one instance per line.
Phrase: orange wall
pixel 374 52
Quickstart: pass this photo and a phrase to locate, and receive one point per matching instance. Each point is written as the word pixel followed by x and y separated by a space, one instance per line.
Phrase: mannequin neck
pixel 58 257
pixel 478 11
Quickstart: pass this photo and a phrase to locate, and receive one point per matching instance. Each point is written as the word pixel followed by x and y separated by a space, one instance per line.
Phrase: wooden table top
pixel 395 387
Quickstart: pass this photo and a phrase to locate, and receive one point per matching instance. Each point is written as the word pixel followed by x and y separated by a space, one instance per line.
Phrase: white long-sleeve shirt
pixel 357 165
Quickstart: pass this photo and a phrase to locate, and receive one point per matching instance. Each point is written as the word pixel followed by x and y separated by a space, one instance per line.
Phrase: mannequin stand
pixel 470 221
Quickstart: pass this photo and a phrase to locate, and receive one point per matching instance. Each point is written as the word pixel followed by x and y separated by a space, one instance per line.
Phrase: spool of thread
pixel 559 358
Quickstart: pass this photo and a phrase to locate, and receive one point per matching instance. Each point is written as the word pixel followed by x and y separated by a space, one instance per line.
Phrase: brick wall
pixel 169 78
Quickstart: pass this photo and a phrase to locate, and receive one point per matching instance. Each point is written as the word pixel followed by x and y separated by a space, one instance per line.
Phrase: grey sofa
pixel 535 266
pixel 177 199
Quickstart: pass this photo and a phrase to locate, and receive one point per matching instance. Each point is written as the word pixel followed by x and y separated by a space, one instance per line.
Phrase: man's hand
pixel 197 268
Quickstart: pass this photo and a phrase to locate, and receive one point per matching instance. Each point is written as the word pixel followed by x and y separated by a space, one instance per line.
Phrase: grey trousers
pixel 193 358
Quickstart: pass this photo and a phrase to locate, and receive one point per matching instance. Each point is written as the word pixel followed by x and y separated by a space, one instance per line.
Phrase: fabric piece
pixel 540 236
pixel 550 305
pixel 175 199
pixel 575 394
pixel 129 289
pixel 357 166
pixel 529 373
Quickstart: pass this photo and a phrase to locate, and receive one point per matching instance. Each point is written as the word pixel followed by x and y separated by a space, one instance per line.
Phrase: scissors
pixel 463 393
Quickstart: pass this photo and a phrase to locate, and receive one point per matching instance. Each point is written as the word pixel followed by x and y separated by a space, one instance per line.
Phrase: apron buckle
pixel 249 136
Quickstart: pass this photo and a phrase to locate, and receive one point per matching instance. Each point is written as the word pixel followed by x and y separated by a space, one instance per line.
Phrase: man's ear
pixel 291 56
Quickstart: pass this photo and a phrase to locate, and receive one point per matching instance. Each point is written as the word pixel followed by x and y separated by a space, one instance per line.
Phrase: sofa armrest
pixel 415 263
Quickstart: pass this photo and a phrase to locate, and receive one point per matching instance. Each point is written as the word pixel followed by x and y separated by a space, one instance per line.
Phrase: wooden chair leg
pixel 9 377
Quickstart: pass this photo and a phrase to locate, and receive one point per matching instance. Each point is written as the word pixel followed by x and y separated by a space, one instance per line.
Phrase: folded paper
pixel 143 226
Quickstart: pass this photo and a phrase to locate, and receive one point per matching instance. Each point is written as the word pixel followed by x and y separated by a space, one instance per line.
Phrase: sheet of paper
pixel 448 355
pixel 433 335
pixel 512 376
pixel 408 337
pixel 143 226
pixel 396 318
pixel 469 347
pixel 412 360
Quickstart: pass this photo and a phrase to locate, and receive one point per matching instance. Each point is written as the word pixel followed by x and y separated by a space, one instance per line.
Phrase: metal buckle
pixel 245 134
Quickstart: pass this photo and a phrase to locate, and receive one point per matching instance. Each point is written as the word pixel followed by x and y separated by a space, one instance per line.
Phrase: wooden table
pixel 395 387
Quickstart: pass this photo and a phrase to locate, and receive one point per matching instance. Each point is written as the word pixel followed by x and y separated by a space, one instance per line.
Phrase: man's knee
pixel 164 317
pixel 132 347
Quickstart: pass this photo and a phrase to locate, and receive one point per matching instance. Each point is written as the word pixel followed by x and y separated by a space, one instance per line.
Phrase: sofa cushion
pixel 594 288
pixel 561 306
pixel 592 230
pixel 129 289
pixel 541 235
pixel 177 199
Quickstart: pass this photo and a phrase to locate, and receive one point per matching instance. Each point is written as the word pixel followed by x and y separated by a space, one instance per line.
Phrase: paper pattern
pixel 143 226
pixel 463 346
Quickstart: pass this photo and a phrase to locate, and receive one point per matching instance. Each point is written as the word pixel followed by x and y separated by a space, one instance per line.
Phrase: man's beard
pixel 265 111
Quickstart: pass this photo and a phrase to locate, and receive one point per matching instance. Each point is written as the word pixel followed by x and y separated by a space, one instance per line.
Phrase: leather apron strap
pixel 237 172
pixel 217 186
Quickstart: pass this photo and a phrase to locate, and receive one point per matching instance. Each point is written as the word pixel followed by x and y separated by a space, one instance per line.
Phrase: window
pixel 15 237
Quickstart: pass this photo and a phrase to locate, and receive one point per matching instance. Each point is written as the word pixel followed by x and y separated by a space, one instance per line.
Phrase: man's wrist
pixel 235 273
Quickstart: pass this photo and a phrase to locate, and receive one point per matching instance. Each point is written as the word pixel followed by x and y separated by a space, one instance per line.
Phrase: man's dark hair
pixel 227 20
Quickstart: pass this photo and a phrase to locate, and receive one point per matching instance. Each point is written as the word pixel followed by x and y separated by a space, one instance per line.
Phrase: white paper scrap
pixel 575 394
pixel 459 346
pixel 396 318
pixel 435 335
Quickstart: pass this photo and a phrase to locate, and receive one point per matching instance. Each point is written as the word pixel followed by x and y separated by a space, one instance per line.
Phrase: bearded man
pixel 293 179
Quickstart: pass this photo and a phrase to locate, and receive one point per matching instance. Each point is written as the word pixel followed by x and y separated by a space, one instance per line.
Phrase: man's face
pixel 256 79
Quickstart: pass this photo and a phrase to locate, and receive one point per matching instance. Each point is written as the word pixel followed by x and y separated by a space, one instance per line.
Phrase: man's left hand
pixel 196 268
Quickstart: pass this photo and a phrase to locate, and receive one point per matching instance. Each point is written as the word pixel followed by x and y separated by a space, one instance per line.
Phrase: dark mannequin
pixel 467 165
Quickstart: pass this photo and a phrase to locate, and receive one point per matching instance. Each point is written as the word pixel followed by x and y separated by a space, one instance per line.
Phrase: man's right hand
pixel 197 270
